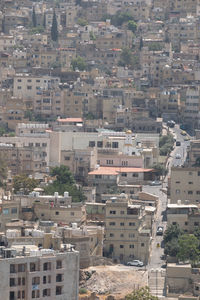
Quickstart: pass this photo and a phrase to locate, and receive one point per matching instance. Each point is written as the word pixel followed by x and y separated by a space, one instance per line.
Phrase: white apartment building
pixel 29 86
pixel 28 273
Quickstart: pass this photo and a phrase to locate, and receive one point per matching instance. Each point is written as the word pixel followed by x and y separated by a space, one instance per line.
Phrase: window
pixel 99 144
pixel 190 182
pixel 112 223
pixel 12 269
pixel 29 87
pixel 112 212
pixel 198 192
pixel 58 290
pixel 23 294
pixel 131 235
pixel 122 224
pixel 5 211
pixel 23 281
pixel 190 192
pixel 67 158
pixel 21 268
pixel 173 223
pixel 135 174
pixel 131 224
pixel 58 264
pixel 131 246
pixel 12 281
pixel 91 144
pixel 111 234
pixel 198 173
pixel 109 162
pixel 57 213
pixel 186 223
pixel 13 210
pixel 59 277
pixel 46 292
pixel 115 144
pixel 196 223
pixel 121 235
pixel 177 182
pixel 142 244
pixel 121 246
pixel 71 213
pixel 124 174
pixel 46 266
pixel 35 294
pixel 177 191
pixel 122 212
pixel 35 280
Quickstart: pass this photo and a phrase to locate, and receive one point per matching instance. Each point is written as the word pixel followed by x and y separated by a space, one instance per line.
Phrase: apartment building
pixel 127 236
pixel 23 160
pixel 27 86
pixel 184 185
pixel 88 240
pixel 192 105
pixel 186 216
pixel 9 210
pixel 28 273
pixel 193 154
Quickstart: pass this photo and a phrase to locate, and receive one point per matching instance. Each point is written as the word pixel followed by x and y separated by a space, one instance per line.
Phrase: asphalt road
pixel 155 268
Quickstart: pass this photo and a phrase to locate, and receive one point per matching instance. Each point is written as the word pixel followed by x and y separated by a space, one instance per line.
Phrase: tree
pixel 64 182
pixel 126 57
pixel 141 43
pixel 172 231
pixel 160 169
pixel 78 63
pixel 172 247
pixel 132 26
pixel 24 184
pixel 62 174
pixel 34 20
pixel 141 294
pixel 3 170
pixel 82 22
pixel 54 28
pixel 188 248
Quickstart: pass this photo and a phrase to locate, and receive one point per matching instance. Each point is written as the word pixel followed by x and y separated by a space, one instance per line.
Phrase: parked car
pixel 135 263
pixel 184 133
pixel 178 143
pixel 160 230
pixel 186 138
pixel 156 182
pixel 177 156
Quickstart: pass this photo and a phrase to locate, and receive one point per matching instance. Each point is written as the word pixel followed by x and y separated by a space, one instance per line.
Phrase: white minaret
pixel 128 146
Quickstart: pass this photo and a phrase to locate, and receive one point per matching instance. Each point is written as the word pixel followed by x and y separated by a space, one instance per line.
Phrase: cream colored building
pixel 28 273
pixel 127 236
pixel 184 185
pixel 186 216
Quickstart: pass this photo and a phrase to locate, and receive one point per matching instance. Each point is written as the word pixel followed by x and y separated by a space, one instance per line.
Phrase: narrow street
pixel 156 267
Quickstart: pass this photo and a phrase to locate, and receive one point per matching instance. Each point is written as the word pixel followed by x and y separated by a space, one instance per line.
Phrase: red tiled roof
pixel 69 120
pixel 117 170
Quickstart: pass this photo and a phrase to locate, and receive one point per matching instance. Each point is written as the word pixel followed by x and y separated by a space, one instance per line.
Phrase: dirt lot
pixel 116 280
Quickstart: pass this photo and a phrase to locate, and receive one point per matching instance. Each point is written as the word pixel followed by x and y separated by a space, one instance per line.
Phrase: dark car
pixel 160 230
pixel 178 143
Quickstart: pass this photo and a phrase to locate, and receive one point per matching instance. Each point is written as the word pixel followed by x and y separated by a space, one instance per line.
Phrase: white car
pixel 177 156
pixel 135 263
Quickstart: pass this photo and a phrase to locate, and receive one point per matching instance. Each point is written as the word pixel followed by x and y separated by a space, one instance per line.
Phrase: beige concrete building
pixel 182 279
pixel 127 236
pixel 184 185
pixel 88 240
pixel 28 273
pixel 186 216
